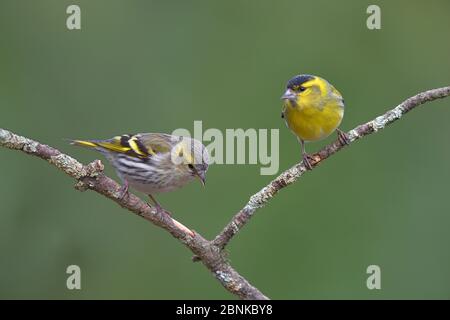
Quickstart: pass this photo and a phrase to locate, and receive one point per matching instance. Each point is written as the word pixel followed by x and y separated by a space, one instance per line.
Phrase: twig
pixel 291 175
pixel 209 252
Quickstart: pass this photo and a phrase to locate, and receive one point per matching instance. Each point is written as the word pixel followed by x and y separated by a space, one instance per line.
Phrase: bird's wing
pixel 141 145
pixel 337 94
pixel 158 142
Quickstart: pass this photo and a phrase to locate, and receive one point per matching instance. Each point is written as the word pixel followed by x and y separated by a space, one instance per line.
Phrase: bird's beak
pixel 289 95
pixel 202 177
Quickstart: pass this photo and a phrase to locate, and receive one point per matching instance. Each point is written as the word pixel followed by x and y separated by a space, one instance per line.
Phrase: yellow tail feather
pixel 84 143
pixel 108 145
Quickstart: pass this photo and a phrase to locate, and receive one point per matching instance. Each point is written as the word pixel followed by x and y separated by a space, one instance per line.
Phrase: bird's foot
pixel 307 161
pixel 343 137
pixel 165 215
pixel 123 191
pixel 160 211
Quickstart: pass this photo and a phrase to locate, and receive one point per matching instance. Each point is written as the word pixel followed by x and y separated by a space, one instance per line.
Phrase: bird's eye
pixel 301 88
pixel 190 166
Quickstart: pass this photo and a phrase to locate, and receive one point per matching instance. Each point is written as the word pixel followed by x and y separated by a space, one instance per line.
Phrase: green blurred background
pixel 154 66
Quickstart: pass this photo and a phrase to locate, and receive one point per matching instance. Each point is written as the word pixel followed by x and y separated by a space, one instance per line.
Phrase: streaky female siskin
pixel 153 162
pixel 312 109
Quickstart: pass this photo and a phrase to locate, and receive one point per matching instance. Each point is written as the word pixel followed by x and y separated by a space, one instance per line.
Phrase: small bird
pixel 153 162
pixel 312 109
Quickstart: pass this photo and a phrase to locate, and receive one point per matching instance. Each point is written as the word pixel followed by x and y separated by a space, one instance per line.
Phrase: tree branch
pixel 291 175
pixel 211 253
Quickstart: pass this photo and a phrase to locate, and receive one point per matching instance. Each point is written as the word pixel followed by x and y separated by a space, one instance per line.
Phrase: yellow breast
pixel 311 123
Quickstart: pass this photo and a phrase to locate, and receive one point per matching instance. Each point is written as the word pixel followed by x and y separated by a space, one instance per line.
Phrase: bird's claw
pixel 160 210
pixel 123 191
pixel 164 211
pixel 307 161
pixel 343 137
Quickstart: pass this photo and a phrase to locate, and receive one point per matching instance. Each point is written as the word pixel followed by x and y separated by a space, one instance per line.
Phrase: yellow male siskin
pixel 153 162
pixel 312 109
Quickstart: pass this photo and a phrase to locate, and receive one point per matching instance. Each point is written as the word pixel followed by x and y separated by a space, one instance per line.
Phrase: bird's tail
pixel 112 145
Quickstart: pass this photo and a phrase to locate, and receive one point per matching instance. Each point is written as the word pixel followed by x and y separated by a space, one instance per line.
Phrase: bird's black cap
pixel 298 80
